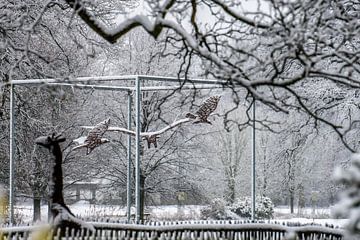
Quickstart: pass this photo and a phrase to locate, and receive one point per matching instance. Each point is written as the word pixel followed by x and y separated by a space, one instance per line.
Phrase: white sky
pixel 204 14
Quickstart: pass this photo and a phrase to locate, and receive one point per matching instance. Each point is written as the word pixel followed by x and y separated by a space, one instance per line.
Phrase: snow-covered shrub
pixel 242 207
pixel 217 210
pixel 349 199
pixel 264 208
pixel 172 216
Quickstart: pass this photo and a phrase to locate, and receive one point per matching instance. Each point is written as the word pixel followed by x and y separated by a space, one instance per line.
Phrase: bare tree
pixel 271 50
pixel 37 41
pixel 295 57
pixel 35 114
pixel 164 160
pixel 231 155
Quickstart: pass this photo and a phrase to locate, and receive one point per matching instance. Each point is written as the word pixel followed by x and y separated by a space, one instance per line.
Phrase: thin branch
pixel 239 16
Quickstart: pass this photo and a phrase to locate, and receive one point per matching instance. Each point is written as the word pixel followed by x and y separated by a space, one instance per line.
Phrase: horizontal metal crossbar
pixel 92 86
pixel 131 89
pixel 71 80
pixel 182 80
pixel 117 78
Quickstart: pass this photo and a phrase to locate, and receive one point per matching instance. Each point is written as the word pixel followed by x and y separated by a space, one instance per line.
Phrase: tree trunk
pixel 230 192
pixel 302 199
pixel 37 208
pixel 291 202
pixel 49 209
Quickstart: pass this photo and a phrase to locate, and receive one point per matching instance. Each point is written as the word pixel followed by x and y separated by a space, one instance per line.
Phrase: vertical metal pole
pixel 137 143
pixel 12 154
pixel 128 190
pixel 253 180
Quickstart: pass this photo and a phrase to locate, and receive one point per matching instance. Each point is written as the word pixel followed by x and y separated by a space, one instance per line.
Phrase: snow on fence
pixel 203 230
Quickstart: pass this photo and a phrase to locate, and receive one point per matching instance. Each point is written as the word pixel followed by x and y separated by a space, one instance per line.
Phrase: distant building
pixel 95 191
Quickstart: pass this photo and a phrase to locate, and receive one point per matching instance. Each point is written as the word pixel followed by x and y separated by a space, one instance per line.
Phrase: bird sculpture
pixel 209 106
pixel 152 139
pixel 94 137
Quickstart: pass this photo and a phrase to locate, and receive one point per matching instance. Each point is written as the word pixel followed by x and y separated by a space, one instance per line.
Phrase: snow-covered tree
pixel 231 153
pixel 267 47
pixel 298 58
pixel 349 202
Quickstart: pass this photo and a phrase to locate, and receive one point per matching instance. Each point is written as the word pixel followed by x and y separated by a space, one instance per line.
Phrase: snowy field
pixel 171 213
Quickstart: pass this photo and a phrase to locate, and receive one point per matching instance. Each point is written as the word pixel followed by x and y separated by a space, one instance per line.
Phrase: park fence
pixel 199 230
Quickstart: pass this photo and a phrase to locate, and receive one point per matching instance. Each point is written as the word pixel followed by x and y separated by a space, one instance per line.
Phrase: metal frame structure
pixel 86 82
pixel 253 163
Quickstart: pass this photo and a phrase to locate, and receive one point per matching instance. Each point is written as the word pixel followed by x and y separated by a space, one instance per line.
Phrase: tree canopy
pixel 281 52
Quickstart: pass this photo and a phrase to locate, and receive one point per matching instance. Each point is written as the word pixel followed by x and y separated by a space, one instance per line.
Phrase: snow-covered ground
pixel 308 215
pixel 190 212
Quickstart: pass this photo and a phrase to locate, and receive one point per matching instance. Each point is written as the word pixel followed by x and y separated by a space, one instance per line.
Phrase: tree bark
pixel 291 202
pixel 37 208
pixel 230 193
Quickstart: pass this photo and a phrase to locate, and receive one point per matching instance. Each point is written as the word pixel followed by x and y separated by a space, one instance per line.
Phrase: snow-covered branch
pixel 142 134
pixel 113 34
pixel 239 16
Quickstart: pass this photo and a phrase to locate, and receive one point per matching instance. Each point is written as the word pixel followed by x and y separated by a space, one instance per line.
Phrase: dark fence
pixel 198 230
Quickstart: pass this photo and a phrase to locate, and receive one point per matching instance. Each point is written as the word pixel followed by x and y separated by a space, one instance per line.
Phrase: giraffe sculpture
pixel 61 216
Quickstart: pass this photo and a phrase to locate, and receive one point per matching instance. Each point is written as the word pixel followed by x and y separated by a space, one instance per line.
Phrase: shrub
pixel 241 208
pixel 217 210
pixel 264 208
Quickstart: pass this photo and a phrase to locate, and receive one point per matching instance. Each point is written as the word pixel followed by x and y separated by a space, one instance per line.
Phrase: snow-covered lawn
pixel 189 212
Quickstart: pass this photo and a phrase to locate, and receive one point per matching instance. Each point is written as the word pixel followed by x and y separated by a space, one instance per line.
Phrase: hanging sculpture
pixel 201 115
pixel 94 137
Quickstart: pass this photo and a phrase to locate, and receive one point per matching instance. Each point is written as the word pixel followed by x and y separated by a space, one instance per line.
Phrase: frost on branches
pixel 349 203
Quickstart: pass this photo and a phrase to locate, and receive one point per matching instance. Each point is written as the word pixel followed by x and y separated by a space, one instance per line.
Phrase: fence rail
pixel 181 230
